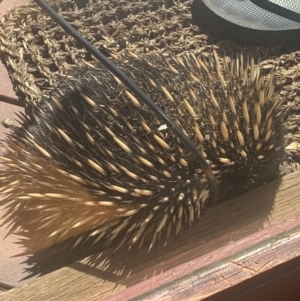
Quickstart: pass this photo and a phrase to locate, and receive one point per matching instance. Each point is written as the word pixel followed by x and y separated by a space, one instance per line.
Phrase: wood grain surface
pixel 11 268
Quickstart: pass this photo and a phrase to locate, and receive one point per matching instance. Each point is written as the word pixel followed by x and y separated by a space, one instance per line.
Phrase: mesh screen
pixel 247 14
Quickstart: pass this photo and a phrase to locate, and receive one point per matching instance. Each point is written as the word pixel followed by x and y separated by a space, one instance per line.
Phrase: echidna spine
pixel 96 164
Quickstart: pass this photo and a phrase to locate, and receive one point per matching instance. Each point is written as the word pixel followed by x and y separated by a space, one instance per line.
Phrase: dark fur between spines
pixel 96 164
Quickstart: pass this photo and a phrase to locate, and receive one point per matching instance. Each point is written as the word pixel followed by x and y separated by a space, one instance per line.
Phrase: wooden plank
pixel 226 273
pixel 234 241
pixel 12 269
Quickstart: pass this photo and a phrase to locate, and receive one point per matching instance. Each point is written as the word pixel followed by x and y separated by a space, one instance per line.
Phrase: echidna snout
pixel 96 164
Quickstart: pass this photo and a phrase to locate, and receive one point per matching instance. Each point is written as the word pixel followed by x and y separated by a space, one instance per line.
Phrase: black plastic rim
pixel 212 23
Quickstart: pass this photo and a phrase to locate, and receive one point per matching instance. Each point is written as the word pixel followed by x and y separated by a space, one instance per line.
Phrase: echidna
pixel 94 163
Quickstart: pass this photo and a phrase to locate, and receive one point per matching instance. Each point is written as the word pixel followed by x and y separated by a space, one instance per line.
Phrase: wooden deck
pixel 237 249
